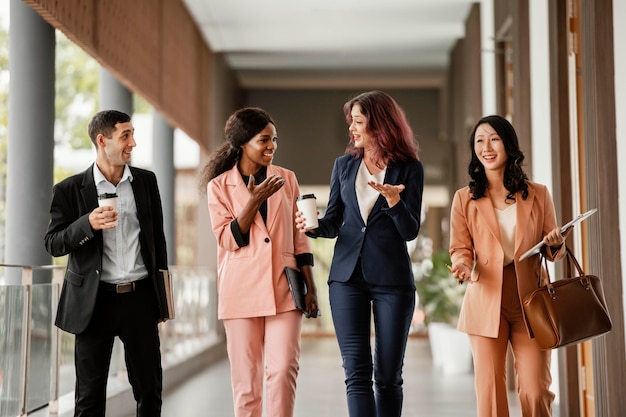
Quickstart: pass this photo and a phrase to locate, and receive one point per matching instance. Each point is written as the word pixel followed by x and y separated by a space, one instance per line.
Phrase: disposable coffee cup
pixel 108 199
pixel 308 206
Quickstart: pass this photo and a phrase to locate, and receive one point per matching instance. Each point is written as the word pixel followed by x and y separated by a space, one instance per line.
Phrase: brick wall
pixel 152 46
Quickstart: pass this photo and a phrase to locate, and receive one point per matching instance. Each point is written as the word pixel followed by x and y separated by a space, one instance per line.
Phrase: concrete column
pixel 163 166
pixel 30 159
pixel 113 94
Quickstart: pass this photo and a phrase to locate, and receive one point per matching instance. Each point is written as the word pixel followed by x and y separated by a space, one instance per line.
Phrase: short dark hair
pixel 104 123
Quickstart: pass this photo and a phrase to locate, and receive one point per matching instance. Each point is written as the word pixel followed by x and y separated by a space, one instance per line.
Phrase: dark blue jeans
pixel 352 304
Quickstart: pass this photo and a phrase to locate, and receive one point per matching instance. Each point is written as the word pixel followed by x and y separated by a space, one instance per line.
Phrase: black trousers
pixel 133 317
pixel 352 305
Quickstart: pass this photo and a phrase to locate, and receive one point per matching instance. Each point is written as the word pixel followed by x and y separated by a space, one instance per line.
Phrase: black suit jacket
pixel 69 233
pixel 380 245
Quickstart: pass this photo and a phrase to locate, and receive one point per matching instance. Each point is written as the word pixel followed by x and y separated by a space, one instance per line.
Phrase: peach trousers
pixel 264 349
pixel 532 365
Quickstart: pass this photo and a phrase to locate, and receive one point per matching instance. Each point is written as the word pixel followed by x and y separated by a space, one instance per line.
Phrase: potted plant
pixel 440 298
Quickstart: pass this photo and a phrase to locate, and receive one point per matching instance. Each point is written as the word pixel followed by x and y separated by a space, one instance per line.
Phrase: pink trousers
pixel 532 365
pixel 264 349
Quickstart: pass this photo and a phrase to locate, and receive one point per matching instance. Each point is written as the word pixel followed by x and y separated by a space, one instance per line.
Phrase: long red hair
pixel 386 122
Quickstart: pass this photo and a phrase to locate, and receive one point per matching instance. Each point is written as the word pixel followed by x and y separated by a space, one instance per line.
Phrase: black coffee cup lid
pixel 106 195
pixel 305 196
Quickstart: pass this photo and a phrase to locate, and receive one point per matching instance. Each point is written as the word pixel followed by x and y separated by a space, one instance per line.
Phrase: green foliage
pixel 77 78
pixel 141 105
pixel 440 295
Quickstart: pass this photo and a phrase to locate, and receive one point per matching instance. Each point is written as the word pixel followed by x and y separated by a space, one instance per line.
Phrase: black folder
pixel 297 286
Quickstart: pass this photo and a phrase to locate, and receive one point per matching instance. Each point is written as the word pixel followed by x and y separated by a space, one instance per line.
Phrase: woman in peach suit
pixel 498 217
pixel 252 205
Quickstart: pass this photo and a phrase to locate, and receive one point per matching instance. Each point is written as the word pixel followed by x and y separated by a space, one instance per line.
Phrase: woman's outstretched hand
pixel 264 190
pixel 390 192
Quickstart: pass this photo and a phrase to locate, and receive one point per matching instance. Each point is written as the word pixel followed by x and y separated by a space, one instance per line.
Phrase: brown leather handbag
pixel 569 310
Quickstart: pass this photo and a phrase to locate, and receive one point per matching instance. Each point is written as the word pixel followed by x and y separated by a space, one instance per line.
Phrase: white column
pixel 488 57
pixel 619 33
pixel 540 93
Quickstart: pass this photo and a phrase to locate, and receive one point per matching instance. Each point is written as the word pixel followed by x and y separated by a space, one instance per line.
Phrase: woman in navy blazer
pixel 373 210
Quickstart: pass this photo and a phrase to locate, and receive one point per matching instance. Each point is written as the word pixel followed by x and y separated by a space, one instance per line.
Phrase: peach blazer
pixel 475 241
pixel 250 279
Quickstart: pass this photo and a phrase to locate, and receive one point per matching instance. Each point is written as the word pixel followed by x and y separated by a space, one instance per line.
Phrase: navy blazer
pixel 69 232
pixel 381 245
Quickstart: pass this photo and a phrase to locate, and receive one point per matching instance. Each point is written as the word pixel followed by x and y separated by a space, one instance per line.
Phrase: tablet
pixel 535 249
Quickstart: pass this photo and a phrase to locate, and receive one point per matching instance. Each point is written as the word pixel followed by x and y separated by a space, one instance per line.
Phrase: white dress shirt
pixel 121 257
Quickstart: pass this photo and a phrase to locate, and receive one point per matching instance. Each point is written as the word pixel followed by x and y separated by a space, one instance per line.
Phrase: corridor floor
pixel 321 392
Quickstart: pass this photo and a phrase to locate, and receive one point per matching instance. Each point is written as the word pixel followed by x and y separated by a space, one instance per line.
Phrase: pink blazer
pixel 250 279
pixel 475 241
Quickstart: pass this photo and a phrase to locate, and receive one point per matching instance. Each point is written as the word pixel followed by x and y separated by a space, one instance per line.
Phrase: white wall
pixel 488 57
pixel 619 17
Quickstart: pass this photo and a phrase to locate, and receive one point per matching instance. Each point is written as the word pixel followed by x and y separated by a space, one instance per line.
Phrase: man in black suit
pixel 114 257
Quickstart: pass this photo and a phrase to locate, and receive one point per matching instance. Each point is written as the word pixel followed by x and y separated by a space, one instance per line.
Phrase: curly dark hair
pixel 241 126
pixel 387 123
pixel 515 178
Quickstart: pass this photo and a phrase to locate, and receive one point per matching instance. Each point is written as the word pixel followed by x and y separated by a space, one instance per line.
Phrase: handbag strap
pixel 570 259
pixel 543 266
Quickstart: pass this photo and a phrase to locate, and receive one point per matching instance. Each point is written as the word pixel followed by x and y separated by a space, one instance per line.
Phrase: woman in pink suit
pixel 252 205
pixel 498 217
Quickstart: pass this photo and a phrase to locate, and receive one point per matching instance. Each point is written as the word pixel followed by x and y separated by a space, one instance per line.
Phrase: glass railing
pixel 28 342
pixel 37 359
pixel 196 325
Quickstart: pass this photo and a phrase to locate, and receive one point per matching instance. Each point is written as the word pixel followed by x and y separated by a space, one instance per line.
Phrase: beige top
pixel 506 221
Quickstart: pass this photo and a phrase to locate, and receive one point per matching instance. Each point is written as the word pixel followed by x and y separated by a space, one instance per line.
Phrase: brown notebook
pixel 165 294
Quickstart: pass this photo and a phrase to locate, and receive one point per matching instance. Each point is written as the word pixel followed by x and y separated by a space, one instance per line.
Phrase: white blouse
pixel 366 196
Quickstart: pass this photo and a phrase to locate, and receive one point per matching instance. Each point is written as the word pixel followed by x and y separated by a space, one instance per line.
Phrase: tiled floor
pixel 321 392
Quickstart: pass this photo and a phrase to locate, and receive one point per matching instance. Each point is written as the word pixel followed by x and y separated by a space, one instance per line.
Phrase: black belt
pixel 125 287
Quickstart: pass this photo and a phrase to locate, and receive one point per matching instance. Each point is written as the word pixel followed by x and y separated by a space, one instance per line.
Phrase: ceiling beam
pixel 286 80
